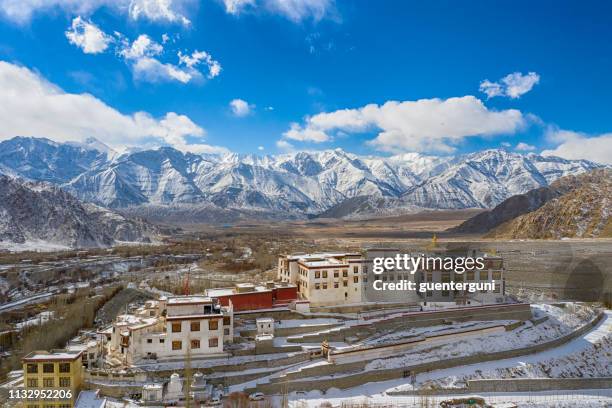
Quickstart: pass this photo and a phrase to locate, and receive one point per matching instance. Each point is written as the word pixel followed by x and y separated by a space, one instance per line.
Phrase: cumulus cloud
pixel 422 125
pixel 524 147
pixel 260 148
pixel 87 36
pixel 240 107
pixel 200 58
pixel 284 145
pixel 22 11
pixel 157 10
pixel 512 85
pixel 143 56
pixel 576 145
pixel 294 10
pixel 32 106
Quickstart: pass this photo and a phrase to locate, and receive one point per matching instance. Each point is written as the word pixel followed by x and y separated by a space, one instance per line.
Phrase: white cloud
pixel 22 11
pixel 157 10
pixel 576 145
pixel 524 147
pixel 422 125
pixel 284 145
pixel 512 85
pixel 240 107
pixel 200 57
pixel 505 144
pixel 87 36
pixel 32 106
pixel 260 148
pixel 237 6
pixel 142 47
pixel 294 10
pixel 142 55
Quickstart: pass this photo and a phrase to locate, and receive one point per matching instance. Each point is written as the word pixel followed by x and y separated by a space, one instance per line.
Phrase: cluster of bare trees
pixel 71 313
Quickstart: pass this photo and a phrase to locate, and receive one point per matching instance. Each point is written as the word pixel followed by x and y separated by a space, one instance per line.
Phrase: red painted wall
pixel 248 301
pixel 285 294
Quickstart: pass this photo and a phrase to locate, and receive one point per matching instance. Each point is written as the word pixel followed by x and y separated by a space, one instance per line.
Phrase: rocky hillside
pixel 39 213
pixel 582 211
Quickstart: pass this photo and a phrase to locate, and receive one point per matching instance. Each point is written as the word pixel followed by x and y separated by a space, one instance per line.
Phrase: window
pixel 345 273
pixel 195 326
pixel 214 342
pixel 227 321
pixel 496 275
pixel 63 406
pixel 317 274
pixel 32 383
pixel 48 368
pixel 470 275
pixel 325 274
pixel 345 283
pixel 162 341
pixel 64 382
pixel 226 331
pixel 336 274
pixel 195 344
pixel 177 345
pixel 355 269
pixel 325 286
pixel 356 279
pixel 64 367
pixel 213 324
pixel 32 368
pixel 176 327
pixel 317 286
pixel 34 406
pixel 149 341
pixel 336 285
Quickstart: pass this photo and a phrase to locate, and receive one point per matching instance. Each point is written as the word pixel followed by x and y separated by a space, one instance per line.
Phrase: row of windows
pixel 48 382
pixel 336 284
pixel 195 326
pixel 469 276
pixel 48 368
pixel 195 344
pixel 226 332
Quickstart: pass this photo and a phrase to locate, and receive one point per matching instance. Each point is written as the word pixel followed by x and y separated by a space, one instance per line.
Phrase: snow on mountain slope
pixel 296 184
pixel 484 179
pixel 45 160
pixel 40 212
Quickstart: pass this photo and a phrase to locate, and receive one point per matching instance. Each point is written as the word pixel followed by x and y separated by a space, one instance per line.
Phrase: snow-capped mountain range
pixel 287 185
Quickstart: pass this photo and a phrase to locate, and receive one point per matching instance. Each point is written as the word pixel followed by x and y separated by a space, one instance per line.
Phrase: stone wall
pixel 519 311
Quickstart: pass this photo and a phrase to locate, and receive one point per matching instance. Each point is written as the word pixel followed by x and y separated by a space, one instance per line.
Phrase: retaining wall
pixel 359 378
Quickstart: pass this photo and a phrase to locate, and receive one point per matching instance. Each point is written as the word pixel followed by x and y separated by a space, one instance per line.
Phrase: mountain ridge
pixel 300 184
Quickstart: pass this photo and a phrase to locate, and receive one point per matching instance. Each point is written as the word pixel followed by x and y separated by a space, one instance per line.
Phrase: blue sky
pixel 370 77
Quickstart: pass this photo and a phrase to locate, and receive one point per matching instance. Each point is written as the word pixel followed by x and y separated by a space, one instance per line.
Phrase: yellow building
pixel 59 370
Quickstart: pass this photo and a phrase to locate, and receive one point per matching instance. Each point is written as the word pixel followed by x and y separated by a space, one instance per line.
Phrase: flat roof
pixel 56 355
pixel 186 300
pixel 318 255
